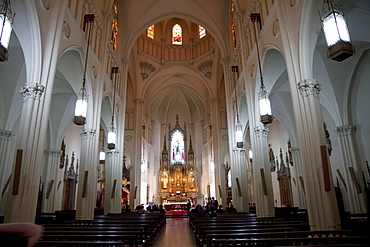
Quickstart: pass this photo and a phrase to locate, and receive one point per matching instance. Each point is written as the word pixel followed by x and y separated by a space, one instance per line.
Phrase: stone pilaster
pixel 320 195
pixel 298 168
pixel 86 194
pixel 24 184
pixel 356 200
pixel 7 145
pixel 262 175
pixel 49 180
pixel 113 183
pixel 239 180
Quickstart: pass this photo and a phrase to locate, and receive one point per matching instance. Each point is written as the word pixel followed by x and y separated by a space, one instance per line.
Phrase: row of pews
pixel 241 229
pixel 126 229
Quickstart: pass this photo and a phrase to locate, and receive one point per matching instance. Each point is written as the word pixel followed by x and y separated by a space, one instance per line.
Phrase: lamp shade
pixel 337 35
pixel 80 110
pixel 238 132
pixel 112 137
pixel 265 106
pixel 335 28
pixel 6 30
pixel 102 157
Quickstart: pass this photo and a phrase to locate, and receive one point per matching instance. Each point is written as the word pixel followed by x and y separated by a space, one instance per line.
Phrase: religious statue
pixel 328 141
pixel 272 160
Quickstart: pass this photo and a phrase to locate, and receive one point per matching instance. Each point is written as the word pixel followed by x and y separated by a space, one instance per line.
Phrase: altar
pixel 175 206
pixel 177 175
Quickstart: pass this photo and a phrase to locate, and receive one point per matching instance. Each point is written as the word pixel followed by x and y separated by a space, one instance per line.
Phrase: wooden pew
pixel 128 238
pixel 336 241
pixel 142 236
pixel 263 234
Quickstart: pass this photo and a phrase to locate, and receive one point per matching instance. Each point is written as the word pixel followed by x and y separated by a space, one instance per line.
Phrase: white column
pixel 298 169
pixel 7 145
pixel 51 168
pixel 86 194
pixel 320 195
pixel 22 199
pixel 135 171
pixel 113 183
pixel 351 171
pixel 262 175
pixel 239 180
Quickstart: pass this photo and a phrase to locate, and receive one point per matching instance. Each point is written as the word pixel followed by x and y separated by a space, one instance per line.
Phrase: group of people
pixel 150 209
pixel 211 208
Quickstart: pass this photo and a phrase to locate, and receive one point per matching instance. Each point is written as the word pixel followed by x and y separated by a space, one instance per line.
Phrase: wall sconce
pixel 81 102
pixel 238 127
pixel 206 68
pixel 146 69
pixel 112 130
pixel 263 97
pixel 336 33
pixel 102 152
pixel 6 19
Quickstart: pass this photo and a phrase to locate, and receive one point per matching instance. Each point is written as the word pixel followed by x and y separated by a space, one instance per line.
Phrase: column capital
pixel 239 15
pixel 54 152
pixel 239 151
pixel 32 90
pixel 309 87
pixel 6 135
pixel 87 133
pixel 126 62
pixel 225 60
pixel 214 101
pixel 138 101
pixel 345 130
pixel 294 149
pixel 112 151
pixel 261 131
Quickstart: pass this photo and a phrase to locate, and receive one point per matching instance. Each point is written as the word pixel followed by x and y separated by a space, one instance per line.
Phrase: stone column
pixel 298 168
pixel 7 145
pixel 51 168
pixel 218 170
pixel 113 183
pixel 262 175
pixel 86 194
pixel 239 180
pixel 320 195
pixel 25 181
pixel 135 171
pixel 352 177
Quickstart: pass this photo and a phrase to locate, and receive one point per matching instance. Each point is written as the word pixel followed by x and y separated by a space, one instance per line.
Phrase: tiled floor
pixel 176 233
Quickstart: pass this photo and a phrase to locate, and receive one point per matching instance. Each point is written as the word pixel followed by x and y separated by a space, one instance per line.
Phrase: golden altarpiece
pixel 177 173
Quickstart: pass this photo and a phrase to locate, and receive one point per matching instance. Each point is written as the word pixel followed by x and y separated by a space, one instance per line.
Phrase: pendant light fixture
pixel 81 102
pixel 336 33
pixel 112 130
pixel 238 127
pixel 263 96
pixel 6 22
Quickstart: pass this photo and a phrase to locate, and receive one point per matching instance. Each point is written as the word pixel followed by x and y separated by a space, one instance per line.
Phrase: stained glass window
pixel 150 31
pixel 114 28
pixel 177 35
pixel 202 32
pixel 233 32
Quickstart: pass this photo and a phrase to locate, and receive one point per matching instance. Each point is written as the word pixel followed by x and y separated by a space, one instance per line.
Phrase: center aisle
pixel 177 232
